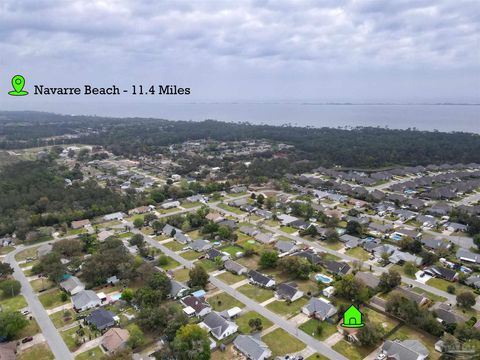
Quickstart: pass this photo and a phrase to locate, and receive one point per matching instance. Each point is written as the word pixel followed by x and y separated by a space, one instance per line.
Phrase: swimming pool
pixel 116 297
pixel 323 278
pixel 396 237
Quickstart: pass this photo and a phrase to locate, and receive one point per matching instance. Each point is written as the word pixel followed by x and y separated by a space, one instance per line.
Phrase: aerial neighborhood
pixel 263 270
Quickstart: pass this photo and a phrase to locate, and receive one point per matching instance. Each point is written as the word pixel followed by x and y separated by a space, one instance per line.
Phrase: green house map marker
pixel 352 318
pixel 18 82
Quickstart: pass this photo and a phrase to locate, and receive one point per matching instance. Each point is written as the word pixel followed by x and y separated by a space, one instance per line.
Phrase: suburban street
pixel 51 334
pixel 282 323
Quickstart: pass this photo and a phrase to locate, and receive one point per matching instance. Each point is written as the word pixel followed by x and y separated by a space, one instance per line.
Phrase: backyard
pixel 312 326
pixel 287 309
pixel 243 320
pixel 53 299
pixel 255 293
pixel 282 343
pixel 223 301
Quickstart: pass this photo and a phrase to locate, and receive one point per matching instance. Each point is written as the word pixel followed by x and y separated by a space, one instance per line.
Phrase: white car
pixel 25 312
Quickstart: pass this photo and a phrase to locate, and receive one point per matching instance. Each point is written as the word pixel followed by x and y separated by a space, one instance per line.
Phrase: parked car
pixel 27 339
pixel 25 312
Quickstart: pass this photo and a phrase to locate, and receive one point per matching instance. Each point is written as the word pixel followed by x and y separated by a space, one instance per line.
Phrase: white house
pixel 170 205
pixel 218 326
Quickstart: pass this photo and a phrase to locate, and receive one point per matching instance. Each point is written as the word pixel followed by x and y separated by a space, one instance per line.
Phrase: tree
pixel 138 222
pixel 160 281
pixel 331 236
pixel 255 324
pixel 409 268
pixel 451 289
pixel 68 247
pixel 466 299
pixel 389 281
pixel 268 259
pixel 295 266
pixel 198 277
pixel 370 334
pixel 127 295
pixel 10 287
pixel 50 265
pixel 163 260
pixel 476 240
pixel 351 288
pixel 5 269
pixel 354 228
pixel 11 323
pixel 136 337
pixel 137 240
pixel 191 342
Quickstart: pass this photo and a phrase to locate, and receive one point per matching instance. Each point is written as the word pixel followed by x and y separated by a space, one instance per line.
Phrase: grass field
pixel 317 356
pixel 429 295
pixel 255 293
pixel 352 352
pixel 231 209
pixel 12 304
pixel 232 250
pixel 31 329
pixel 39 284
pixel 70 336
pixel 311 328
pixel 174 245
pixel 377 318
pixel 6 249
pixel 95 353
pixel 181 275
pixel 358 253
pixel 208 265
pixel 282 343
pixel 443 285
pixel 230 278
pixel 189 205
pixel 285 309
pixel 30 252
pixel 242 321
pixel 288 229
pixel 52 299
pixel 172 264
pixel 223 301
pixel 62 318
pixel 36 352
pixel 190 255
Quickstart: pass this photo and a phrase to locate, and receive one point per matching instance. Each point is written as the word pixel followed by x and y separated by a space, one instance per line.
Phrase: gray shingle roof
pixel 252 347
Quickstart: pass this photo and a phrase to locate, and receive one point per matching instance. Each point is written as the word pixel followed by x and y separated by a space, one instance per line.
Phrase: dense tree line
pixel 34 193
pixel 359 147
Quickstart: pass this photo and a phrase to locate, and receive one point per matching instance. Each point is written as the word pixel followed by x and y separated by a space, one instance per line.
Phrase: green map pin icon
pixel 18 82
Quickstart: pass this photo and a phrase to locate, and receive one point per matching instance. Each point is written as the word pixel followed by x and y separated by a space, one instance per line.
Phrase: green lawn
pixel 28 264
pixel 358 253
pixel 443 285
pixel 172 264
pixel 317 356
pixel 311 328
pixel 31 329
pixel 6 249
pixel 95 353
pixel 288 229
pixel 15 303
pixel 70 337
pixel 231 209
pixel 42 283
pixel 63 318
pixel 401 271
pixel 168 211
pixel 224 301
pixel 377 318
pixel 30 252
pixel 181 275
pixel 429 295
pixel 352 352
pixel 174 245
pixel 195 235
pixel 242 321
pixel 284 308
pixel 52 299
pixel 256 293
pixel 36 352
pixel 282 343
pixel 232 250
pixel 189 205
pixel 337 245
pixel 230 278
pixel 406 332
pixel 190 255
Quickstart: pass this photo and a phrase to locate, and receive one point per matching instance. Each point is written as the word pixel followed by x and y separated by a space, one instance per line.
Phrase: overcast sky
pixel 359 51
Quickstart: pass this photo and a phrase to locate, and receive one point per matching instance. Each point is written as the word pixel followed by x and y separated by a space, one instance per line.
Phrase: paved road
pixel 54 340
pixel 284 324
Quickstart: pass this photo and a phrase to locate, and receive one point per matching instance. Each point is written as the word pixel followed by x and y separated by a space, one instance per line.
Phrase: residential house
pixel 182 238
pixel 447 315
pixel 80 224
pixel 104 235
pixel 72 285
pixel 285 247
pixel 441 272
pixel 177 289
pixel 234 267
pixel 115 340
pixel 473 281
pixel 406 293
pixel 299 224
pixel 286 219
pixel 467 255
pixel 414 234
pixel 248 230
pixel 200 245
pixel 197 306
pixel 436 244
pixel 404 350
pixel 264 213
pixel 252 348
pixel 114 216
pixel 260 279
pixel 214 216
pixel 368 279
pixel 44 250
pixel 427 221
pixel 101 319
pixel 455 227
pixel 232 224
pixel 310 255
pixel 213 254
pixel 288 292
pixel 218 326
pixel 140 210
pixel 264 238
pixel 319 308
pixel 170 230
pixel 85 299
pixel 379 229
pixel 380 250
pixel 170 204
pixel 336 267
pixel 400 257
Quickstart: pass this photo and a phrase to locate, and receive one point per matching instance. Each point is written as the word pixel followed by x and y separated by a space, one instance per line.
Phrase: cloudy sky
pixel 315 50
